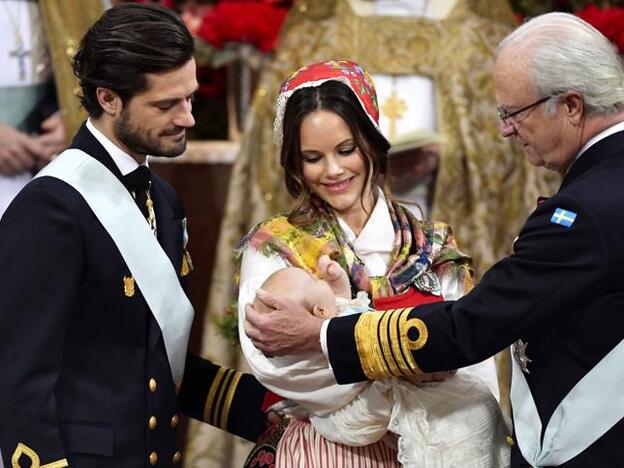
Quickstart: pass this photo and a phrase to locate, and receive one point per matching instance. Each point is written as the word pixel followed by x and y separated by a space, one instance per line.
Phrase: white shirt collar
pixel 375 242
pixel 618 127
pixel 124 162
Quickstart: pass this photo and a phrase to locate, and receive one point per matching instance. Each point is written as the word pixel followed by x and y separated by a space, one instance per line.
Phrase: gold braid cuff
pixel 228 399
pixel 220 396
pixel 384 346
pixel 35 462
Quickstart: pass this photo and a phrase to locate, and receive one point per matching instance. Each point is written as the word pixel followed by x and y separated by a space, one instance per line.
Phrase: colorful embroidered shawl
pixel 422 253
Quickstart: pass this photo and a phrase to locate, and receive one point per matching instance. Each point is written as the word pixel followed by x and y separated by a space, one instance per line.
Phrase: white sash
pixel 115 208
pixel 593 406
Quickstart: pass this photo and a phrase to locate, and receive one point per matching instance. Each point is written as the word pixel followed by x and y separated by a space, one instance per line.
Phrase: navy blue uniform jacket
pixel 83 372
pixel 561 291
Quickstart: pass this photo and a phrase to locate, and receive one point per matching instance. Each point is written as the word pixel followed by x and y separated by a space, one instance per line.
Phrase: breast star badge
pixel 519 354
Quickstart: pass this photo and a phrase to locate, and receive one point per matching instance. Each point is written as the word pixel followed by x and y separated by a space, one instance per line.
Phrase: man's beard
pixel 140 143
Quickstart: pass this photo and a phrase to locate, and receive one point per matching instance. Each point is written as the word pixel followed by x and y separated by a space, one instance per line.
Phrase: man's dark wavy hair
pixel 128 41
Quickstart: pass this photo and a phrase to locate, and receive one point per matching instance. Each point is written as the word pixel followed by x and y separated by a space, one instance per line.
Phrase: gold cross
pixel 394 108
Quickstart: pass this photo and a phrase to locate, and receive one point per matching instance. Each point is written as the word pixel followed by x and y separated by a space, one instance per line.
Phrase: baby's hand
pixel 336 277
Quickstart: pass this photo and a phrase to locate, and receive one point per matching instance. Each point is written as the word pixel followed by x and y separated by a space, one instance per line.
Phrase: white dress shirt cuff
pixel 323 338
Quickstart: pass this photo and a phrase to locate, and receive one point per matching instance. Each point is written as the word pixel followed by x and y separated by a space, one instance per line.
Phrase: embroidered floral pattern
pixel 420 248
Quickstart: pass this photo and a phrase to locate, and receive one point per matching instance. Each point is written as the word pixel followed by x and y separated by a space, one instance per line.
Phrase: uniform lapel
pixel 597 154
pixel 169 233
pixel 169 227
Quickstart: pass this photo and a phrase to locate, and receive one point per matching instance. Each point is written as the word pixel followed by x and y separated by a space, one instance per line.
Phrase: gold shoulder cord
pixel 26 451
pixel 151 215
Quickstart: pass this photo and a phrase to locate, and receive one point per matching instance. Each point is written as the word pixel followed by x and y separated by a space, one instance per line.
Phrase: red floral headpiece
pixel 345 71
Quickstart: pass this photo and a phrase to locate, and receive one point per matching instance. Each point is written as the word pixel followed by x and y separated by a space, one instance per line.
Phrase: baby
pixel 323 298
pixel 452 423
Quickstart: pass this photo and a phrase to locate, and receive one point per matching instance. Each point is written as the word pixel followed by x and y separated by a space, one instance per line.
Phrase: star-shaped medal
pixel 519 353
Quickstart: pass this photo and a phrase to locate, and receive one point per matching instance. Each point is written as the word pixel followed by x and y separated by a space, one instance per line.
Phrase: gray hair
pixel 566 53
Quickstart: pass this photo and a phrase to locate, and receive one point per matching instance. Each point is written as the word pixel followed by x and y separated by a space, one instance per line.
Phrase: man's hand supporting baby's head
pixel 299 286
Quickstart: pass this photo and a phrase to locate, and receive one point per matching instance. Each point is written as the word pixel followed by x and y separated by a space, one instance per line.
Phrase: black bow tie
pixel 138 180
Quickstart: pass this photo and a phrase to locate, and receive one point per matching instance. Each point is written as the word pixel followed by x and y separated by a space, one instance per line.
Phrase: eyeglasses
pixel 506 116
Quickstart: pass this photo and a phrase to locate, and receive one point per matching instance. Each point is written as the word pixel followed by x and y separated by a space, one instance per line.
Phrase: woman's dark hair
pixel 336 97
pixel 128 41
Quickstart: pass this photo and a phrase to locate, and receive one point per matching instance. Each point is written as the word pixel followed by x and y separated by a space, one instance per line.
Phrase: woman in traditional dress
pixel 334 156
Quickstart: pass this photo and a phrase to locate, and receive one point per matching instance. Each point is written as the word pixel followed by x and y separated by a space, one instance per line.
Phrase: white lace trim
pixel 358 304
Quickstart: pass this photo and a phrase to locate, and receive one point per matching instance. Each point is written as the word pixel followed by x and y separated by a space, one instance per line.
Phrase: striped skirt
pixel 301 446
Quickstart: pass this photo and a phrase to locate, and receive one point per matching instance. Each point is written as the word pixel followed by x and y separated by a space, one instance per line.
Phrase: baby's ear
pixel 318 311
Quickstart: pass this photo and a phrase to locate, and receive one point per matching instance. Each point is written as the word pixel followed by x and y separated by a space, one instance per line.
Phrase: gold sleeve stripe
pixel 220 395
pixel 57 464
pixel 222 392
pixel 228 399
pixel 407 344
pixel 384 345
pixel 35 462
pixel 384 335
pixel 396 342
pixel 208 407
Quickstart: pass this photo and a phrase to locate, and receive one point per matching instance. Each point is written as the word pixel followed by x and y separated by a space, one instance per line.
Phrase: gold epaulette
pixel 24 450
pixel 220 396
pixel 384 344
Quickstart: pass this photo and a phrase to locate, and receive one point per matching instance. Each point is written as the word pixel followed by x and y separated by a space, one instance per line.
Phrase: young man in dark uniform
pixel 559 298
pixel 94 323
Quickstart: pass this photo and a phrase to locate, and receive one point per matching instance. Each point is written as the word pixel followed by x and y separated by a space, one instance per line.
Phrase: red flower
pixel 254 22
pixel 609 21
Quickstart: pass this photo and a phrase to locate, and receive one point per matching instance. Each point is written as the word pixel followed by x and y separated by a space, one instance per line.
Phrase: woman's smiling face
pixel 332 165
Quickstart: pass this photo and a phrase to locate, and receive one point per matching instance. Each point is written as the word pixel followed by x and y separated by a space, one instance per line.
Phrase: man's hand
pixel 18 151
pixel 430 377
pixel 289 329
pixel 52 139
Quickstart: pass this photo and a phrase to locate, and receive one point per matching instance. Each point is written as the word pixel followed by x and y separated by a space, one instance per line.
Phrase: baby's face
pixel 319 293
pixel 303 288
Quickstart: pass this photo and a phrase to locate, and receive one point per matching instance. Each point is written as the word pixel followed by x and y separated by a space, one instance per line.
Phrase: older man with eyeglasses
pixel 558 300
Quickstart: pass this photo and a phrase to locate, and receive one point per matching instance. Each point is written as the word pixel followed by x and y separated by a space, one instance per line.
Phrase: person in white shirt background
pixel 31 129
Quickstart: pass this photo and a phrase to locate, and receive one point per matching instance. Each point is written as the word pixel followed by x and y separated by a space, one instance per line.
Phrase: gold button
pixel 176 457
pixel 152 385
pixel 175 420
pixel 153 422
pixel 153 458
pixel 510 441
